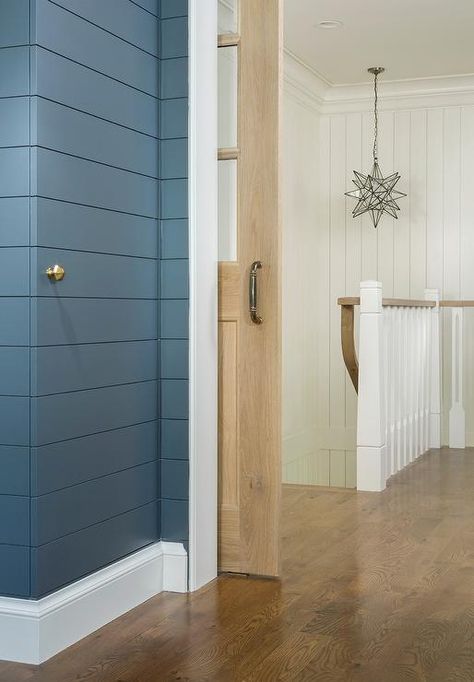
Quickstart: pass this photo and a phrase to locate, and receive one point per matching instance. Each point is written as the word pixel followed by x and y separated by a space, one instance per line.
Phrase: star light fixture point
pixel 375 193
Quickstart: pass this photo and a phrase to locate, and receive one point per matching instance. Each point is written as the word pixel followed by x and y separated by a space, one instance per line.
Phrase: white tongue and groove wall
pixel 427 134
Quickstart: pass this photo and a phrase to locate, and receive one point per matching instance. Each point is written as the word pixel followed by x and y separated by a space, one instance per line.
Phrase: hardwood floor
pixel 375 588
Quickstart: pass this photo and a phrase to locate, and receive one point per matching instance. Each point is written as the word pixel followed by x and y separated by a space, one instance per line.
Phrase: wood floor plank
pixel 375 588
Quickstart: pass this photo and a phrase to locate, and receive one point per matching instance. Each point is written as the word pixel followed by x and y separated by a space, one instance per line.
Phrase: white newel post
pixel 371 447
pixel 434 440
pixel 457 417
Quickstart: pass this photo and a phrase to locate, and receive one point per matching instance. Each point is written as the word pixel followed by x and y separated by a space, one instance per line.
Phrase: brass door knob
pixel 55 273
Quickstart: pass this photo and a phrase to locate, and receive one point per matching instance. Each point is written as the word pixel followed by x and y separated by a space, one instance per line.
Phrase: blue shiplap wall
pixel 174 268
pixel 14 299
pixel 93 170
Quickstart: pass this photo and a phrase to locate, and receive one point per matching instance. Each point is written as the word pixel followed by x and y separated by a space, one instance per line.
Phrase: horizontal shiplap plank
pixel 64 81
pixel 14 372
pixel 174 241
pixel 75 461
pixel 15 570
pixel 174 399
pixel 174 199
pixel 174 278
pixel 14 172
pixel 174 520
pixel 72 415
pixel 67 511
pixel 66 130
pixel 174 359
pixel 67 559
pixel 14 470
pixel 14 520
pixel 174 479
pixel 14 121
pixel 14 314
pixel 174 38
pixel 72 37
pixel 14 271
pixel 68 178
pixel 14 22
pixel 173 159
pixel 14 72
pixel 14 221
pixel 15 419
pixel 173 118
pixel 120 17
pixel 174 319
pixel 173 8
pixel 71 226
pixel 150 5
pixel 95 275
pixel 174 439
pixel 174 78
pixel 71 321
pixel 59 369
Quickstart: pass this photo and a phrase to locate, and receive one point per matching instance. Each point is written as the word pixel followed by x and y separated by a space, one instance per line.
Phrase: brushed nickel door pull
pixel 256 319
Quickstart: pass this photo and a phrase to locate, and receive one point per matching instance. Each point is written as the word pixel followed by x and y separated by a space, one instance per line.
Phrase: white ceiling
pixel 410 38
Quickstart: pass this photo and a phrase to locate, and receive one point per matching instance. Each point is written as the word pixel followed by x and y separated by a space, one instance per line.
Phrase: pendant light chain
pixel 376 118
pixel 375 193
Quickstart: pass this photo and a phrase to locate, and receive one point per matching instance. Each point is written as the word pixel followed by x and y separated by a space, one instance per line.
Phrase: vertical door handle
pixel 256 319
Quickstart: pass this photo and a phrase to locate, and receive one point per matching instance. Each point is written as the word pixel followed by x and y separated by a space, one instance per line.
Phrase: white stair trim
pixel 34 631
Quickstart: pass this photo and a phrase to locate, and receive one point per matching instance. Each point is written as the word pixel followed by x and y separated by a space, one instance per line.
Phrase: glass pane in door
pixel 228 16
pixel 227 247
pixel 228 70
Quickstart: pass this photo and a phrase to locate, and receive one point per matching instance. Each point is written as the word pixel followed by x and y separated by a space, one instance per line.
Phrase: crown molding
pixel 303 83
pixel 314 91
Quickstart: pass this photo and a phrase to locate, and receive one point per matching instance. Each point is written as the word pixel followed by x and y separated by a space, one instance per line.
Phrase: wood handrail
pixel 348 303
pixel 390 302
pixel 456 304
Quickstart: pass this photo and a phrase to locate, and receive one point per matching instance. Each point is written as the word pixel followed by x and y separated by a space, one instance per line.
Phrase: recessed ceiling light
pixel 329 24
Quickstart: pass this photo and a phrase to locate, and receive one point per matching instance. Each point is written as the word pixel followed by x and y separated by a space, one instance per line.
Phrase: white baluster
pixel 393 372
pixel 387 320
pixel 404 388
pixel 434 440
pixel 371 449
pixel 457 417
pixel 398 390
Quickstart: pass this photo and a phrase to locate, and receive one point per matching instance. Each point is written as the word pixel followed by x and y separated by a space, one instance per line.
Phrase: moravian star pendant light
pixel 375 194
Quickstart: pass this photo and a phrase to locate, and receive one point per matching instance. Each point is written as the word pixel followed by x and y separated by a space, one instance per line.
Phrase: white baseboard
pixel 33 631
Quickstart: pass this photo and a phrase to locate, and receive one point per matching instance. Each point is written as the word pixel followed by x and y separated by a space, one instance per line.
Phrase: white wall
pixel 431 245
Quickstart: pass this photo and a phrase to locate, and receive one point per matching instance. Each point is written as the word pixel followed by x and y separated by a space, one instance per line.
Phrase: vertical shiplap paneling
pixel 386 226
pixel 417 203
pixel 467 251
pixel 434 199
pixel 451 207
pixel 401 242
pixel 337 288
pixel 353 265
pixel 430 245
pixel 451 239
pixel 369 233
pixel 323 309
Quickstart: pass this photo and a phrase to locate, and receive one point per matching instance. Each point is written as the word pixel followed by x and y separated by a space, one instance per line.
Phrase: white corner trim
pixel 203 292
pixel 33 631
